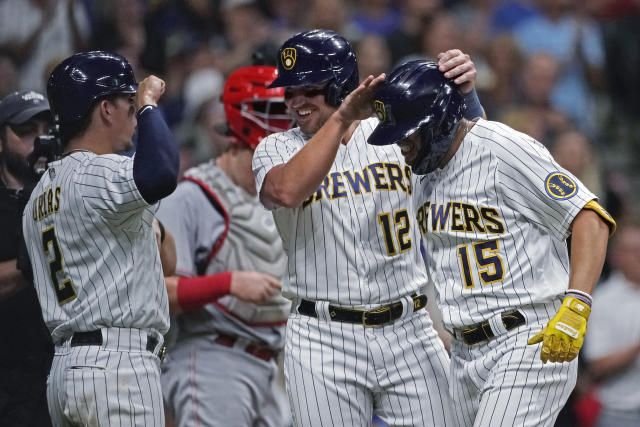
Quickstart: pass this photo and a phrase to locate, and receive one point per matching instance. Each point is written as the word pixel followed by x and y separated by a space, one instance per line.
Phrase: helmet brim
pixel 298 79
pixel 392 133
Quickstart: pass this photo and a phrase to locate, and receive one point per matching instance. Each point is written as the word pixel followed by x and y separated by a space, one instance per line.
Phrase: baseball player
pixel 358 340
pixel 495 210
pixel 89 234
pixel 221 370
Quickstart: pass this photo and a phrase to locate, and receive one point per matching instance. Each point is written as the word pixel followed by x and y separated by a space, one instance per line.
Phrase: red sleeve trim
pixel 195 292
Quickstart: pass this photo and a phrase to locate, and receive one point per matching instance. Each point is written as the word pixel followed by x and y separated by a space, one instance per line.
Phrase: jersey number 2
pixel 401 220
pixel 65 291
pixel 490 268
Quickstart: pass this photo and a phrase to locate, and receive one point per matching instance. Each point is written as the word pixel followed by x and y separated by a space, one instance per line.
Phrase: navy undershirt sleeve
pixel 156 162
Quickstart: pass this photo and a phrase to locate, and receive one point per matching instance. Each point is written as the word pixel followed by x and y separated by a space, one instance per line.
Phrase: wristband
pixel 474 108
pixel 581 295
pixel 144 108
pixel 194 292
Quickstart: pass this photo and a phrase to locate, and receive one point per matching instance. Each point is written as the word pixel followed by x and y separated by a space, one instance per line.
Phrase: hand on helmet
pixel 149 91
pixel 459 67
pixel 358 105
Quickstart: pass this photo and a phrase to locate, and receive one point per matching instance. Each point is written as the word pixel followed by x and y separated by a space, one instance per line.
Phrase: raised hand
pixel 358 105
pixel 458 66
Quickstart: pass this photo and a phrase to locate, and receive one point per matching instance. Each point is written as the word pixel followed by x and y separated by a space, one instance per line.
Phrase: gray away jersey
pixel 198 228
pixel 353 242
pixel 494 223
pixel 93 249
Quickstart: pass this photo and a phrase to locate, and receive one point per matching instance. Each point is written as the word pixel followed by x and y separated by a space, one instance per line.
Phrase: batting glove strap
pixel 564 334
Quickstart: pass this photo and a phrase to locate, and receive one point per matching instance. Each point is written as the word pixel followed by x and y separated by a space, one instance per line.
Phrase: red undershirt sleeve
pixel 194 292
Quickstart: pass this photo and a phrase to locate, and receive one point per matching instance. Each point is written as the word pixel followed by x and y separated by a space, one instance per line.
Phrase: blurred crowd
pixel 565 72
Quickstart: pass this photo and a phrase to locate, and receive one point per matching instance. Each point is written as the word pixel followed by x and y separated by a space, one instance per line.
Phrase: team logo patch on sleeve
pixel 288 57
pixel 560 186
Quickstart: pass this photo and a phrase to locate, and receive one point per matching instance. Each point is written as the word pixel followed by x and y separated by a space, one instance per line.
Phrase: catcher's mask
pixel 254 110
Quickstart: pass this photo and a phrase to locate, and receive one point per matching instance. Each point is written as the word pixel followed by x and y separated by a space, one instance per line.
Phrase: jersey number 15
pixel 488 262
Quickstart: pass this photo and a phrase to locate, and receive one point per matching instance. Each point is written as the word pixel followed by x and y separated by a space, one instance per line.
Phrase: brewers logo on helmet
pixel 378 107
pixel 288 57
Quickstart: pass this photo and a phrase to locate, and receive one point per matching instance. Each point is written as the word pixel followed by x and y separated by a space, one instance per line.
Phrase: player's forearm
pixel 10 278
pixel 189 293
pixel 588 250
pixel 156 163
pixel 614 363
pixel 168 256
pixel 292 183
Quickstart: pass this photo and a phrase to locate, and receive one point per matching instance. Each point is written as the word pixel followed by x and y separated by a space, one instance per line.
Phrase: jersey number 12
pixel 401 228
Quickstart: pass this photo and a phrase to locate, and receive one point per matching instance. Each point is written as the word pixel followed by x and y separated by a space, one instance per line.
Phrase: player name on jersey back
pixel 47 203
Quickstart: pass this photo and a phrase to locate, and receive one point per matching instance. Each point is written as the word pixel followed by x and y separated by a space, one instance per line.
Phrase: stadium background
pixel 566 72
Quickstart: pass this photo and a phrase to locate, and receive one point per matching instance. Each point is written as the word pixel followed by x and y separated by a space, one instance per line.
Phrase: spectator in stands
pixel 574 152
pixel 121 29
pixel 8 74
pixel 533 113
pixel 39 31
pixel 246 29
pixel 576 45
pixel 497 88
pixel 378 17
pixel 440 34
pixel 407 38
pixel 329 15
pixel 373 56
pixel 612 343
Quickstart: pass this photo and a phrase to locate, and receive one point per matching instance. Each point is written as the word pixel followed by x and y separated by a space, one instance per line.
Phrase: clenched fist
pixel 149 91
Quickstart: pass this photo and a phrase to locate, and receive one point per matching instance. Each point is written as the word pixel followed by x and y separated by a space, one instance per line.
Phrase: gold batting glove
pixel 564 334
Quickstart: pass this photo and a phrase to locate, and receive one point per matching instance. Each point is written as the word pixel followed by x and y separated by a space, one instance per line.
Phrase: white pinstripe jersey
pixel 93 249
pixel 494 223
pixel 353 242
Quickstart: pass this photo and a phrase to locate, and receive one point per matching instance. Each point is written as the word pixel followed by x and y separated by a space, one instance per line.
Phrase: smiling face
pixel 307 106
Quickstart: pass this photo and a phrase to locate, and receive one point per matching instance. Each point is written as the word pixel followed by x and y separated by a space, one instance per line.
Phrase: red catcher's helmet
pixel 252 110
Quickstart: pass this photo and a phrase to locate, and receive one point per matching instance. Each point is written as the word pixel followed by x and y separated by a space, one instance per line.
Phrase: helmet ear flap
pixel 332 94
pixel 335 92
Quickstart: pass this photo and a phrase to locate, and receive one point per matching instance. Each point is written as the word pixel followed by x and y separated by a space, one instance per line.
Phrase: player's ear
pixel 106 109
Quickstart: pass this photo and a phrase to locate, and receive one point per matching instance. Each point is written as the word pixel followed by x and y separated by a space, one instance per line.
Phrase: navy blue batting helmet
pixel 315 57
pixel 417 97
pixel 81 80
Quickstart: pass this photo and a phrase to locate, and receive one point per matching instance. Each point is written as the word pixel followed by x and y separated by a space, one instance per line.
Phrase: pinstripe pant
pixel 94 386
pixel 502 382
pixel 339 374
